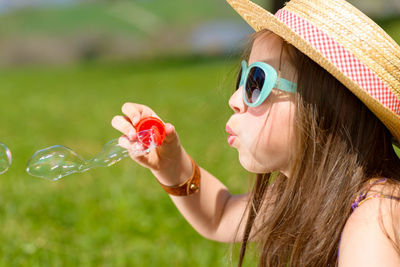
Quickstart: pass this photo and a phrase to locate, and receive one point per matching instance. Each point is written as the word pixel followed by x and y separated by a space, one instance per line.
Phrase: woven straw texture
pixel 371 68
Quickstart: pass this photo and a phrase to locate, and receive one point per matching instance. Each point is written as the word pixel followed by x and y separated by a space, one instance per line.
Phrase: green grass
pixel 116 216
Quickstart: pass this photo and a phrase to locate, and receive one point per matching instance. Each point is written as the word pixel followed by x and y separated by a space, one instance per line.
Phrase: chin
pixel 251 165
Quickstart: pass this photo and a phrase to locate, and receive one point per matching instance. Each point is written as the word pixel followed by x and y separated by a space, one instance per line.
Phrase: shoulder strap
pixel 375 196
pixel 362 197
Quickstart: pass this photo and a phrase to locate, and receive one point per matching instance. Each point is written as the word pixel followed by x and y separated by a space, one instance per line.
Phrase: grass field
pixel 117 216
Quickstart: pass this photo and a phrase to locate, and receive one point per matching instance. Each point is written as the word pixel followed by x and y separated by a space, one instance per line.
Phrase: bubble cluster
pixel 57 161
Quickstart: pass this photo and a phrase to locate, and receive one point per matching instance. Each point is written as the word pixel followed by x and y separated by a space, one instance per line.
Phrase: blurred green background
pixel 66 70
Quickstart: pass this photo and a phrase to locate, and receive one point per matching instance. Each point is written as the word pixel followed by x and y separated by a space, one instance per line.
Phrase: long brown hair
pixel 340 145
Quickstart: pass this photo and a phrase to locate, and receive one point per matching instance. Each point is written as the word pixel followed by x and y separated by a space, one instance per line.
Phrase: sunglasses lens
pixel 254 84
pixel 239 77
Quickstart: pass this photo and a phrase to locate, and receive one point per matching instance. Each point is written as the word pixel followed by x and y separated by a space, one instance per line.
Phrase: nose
pixel 236 101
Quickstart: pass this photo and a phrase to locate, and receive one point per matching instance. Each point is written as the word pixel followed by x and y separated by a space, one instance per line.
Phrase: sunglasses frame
pixel 272 80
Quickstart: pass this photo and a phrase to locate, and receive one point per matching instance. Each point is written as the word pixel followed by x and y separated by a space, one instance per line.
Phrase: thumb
pixel 171 135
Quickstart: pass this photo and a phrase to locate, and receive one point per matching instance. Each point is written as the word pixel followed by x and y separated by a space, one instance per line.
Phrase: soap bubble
pixel 5 158
pixel 57 161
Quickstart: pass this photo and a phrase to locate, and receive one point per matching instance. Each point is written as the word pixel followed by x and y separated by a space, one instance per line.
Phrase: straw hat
pixel 345 42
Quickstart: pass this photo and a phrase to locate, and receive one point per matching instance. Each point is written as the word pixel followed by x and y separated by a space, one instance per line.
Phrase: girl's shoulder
pixel 370 236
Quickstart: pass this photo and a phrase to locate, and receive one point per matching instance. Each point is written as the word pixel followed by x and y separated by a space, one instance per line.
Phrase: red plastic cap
pixel 149 123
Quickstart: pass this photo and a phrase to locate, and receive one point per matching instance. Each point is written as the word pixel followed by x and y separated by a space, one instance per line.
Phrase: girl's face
pixel 263 134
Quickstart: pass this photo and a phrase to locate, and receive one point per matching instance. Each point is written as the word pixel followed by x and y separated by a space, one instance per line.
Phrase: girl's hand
pixel 167 158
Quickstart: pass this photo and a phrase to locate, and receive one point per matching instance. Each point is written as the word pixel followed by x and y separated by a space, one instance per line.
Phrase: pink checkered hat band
pixel 345 42
pixel 343 59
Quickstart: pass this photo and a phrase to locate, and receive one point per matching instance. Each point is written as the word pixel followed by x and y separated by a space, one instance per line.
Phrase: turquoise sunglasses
pixel 258 80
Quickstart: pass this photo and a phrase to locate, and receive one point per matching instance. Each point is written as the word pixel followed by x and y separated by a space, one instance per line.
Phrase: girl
pixel 318 103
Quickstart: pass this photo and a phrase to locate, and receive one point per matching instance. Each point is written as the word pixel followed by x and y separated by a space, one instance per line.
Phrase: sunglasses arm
pixel 285 85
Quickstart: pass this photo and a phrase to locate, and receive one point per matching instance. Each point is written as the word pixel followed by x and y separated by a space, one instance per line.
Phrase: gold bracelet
pixel 188 187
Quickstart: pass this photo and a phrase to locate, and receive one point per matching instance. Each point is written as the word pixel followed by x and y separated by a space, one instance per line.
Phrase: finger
pixel 132 135
pixel 135 112
pixel 170 133
pixel 124 142
pixel 135 149
pixel 129 145
pixel 122 124
pixel 132 111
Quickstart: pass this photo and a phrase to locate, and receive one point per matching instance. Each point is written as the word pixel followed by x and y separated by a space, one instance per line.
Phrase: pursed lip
pixel 229 130
pixel 232 135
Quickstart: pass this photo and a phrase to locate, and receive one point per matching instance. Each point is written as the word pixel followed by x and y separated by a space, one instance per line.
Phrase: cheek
pixel 271 148
pixel 253 143
pixel 275 136
pixel 253 128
